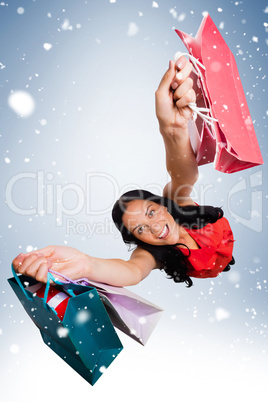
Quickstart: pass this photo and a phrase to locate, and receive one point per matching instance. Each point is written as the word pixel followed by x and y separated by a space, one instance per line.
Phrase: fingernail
pixel 179 76
pixel 180 63
pixel 40 255
pixel 174 85
pixel 170 64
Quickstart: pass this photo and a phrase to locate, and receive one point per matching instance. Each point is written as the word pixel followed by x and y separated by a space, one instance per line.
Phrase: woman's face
pixel 151 223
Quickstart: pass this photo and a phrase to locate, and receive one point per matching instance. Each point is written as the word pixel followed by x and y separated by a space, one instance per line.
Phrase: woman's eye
pixel 151 213
pixel 140 230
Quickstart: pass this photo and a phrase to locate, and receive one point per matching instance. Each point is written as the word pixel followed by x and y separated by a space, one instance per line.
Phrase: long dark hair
pixel 171 259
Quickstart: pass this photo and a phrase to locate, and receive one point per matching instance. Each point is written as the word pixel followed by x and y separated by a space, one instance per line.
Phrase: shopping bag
pixel 230 142
pixel 85 338
pixel 56 298
pixel 130 313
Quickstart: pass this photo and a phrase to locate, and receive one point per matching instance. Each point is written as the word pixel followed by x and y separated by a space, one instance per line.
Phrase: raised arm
pixel 173 95
pixel 75 264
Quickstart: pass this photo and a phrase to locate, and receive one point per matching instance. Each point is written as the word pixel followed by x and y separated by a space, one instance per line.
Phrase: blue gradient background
pixel 95 89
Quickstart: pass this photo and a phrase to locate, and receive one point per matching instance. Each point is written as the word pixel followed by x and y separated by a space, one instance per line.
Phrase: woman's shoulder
pixel 143 256
pixel 146 258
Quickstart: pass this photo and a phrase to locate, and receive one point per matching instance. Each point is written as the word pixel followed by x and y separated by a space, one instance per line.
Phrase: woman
pixel 171 232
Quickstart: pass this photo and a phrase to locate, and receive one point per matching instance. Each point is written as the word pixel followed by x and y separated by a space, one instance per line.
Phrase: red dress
pixel 216 248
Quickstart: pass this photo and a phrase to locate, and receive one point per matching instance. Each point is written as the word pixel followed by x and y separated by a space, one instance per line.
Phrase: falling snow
pixel 142 320
pixel 221 314
pixel 173 12
pixel 47 46
pixel 14 349
pixel 181 17
pixel 62 332
pixel 82 317
pixel 20 10
pixel 133 29
pixel 22 103
pixel 66 26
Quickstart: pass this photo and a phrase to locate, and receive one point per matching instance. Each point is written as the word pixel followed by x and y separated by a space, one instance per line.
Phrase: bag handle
pixel 63 276
pixel 50 278
pixel 26 294
pixel 197 110
pixel 195 62
pixel 80 281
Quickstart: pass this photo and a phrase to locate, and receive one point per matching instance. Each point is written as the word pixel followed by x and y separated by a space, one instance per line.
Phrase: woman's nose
pixel 155 228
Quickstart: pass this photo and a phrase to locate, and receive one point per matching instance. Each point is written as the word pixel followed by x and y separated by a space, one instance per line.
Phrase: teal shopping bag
pixel 88 345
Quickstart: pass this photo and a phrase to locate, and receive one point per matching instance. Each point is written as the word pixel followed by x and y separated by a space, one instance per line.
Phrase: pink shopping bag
pixel 230 142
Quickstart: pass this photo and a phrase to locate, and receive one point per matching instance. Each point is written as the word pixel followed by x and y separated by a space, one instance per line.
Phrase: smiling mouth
pixel 164 232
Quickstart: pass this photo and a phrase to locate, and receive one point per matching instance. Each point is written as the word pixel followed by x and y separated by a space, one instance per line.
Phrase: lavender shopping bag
pixel 129 312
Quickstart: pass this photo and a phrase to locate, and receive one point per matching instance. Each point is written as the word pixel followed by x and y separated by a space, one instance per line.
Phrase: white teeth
pixel 164 231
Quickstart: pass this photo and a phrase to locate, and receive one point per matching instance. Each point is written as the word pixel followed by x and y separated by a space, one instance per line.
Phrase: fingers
pixel 41 274
pixel 21 262
pixel 43 252
pixel 182 90
pixel 186 99
pixel 167 79
pixel 33 265
pixel 182 84
pixel 18 261
pixel 173 80
pixel 184 94
pixel 185 69
pixel 46 251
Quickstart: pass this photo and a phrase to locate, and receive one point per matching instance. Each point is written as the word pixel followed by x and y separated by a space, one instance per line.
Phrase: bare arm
pixel 75 264
pixel 118 272
pixel 182 168
pixel 173 95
